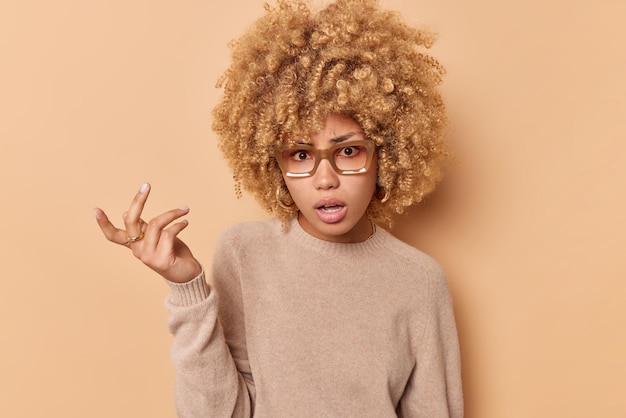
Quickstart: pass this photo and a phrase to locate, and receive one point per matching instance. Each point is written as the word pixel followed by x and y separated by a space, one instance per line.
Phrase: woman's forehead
pixel 335 128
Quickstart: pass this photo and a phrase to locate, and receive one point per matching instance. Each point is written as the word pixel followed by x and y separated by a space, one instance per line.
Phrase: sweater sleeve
pixel 209 355
pixel 434 388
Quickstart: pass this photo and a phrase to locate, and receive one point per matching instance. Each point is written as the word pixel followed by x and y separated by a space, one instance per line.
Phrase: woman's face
pixel 332 205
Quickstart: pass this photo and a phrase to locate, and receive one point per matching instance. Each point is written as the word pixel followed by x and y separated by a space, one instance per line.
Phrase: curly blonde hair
pixel 294 67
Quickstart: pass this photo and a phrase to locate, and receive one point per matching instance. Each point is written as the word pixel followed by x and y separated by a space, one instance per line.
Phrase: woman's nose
pixel 325 176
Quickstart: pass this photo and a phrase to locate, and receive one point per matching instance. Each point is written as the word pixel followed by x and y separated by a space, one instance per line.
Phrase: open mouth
pixel 330 211
pixel 331 208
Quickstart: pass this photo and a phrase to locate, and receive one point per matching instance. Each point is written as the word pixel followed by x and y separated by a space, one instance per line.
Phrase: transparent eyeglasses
pixel 349 157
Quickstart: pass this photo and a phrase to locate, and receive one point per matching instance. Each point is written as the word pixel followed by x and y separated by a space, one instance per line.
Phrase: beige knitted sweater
pixel 293 326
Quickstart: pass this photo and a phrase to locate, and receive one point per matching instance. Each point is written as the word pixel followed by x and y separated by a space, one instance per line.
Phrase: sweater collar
pixel 300 237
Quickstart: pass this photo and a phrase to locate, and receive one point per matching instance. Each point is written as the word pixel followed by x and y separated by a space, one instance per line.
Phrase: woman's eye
pixel 349 151
pixel 300 155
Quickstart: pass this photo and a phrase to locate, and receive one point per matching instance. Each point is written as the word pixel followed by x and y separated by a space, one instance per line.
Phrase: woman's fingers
pixel 161 250
pixel 111 233
pixel 169 235
pixel 156 226
pixel 132 218
pixel 155 243
pixel 150 232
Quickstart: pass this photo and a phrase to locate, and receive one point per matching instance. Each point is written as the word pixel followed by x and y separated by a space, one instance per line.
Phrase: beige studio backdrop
pixel 98 96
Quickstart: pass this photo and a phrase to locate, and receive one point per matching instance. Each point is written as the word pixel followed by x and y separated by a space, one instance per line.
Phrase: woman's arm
pixel 208 381
pixel 434 388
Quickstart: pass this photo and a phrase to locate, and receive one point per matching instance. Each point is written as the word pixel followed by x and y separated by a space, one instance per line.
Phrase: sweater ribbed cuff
pixel 191 292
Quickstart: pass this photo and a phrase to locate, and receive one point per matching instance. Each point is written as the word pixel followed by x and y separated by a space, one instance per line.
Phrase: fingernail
pixel 184 208
pixel 144 187
pixel 96 213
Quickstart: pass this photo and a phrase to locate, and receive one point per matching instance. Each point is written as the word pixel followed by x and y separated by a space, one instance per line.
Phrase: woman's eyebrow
pixel 335 140
pixel 344 137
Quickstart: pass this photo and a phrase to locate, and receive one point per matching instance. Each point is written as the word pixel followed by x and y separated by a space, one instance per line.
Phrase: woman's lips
pixel 330 211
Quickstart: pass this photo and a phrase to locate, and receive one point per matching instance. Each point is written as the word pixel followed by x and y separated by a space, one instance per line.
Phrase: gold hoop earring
pixel 281 203
pixel 385 196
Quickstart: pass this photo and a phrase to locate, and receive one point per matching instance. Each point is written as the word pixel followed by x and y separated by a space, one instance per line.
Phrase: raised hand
pixel 154 242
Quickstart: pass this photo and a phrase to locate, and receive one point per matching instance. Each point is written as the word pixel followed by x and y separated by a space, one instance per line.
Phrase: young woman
pixel 334 122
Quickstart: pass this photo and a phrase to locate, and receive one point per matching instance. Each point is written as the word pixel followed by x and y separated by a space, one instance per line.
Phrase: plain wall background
pixel 97 97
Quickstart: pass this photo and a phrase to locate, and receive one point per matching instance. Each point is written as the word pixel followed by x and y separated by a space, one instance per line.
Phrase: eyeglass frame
pixel 326 153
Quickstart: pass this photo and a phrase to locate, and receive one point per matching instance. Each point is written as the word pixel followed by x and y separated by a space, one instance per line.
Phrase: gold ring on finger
pixel 133 239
